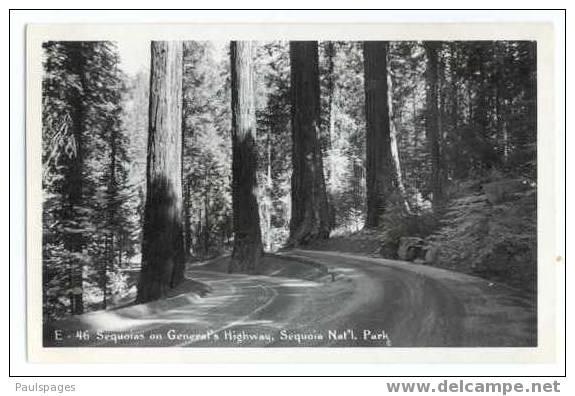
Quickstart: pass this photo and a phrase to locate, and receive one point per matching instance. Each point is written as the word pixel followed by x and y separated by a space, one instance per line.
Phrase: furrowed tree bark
pixel 309 213
pixel 163 244
pixel 248 248
pixel 432 123
pixel 380 168
pixel 185 183
pixel 188 233
pixel 330 53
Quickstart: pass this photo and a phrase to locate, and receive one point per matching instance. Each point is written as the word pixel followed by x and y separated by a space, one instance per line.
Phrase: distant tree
pixel 343 132
pixel 135 125
pixel 207 148
pixel 121 219
pixel 398 177
pixel 393 133
pixel 274 138
pixel 163 244
pixel 309 217
pixel 247 234
pixel 328 108
pixel 432 122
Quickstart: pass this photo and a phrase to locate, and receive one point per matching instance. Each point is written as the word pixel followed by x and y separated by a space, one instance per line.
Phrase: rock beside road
pixel 410 248
pixel 417 250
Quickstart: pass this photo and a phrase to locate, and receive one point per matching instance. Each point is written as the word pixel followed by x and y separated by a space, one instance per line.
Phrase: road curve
pixel 425 306
pixel 359 302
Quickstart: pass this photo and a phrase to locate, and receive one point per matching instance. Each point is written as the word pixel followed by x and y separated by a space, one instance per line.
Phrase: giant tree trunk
pixel 163 244
pixel 380 168
pixel 309 213
pixel 247 234
pixel 432 123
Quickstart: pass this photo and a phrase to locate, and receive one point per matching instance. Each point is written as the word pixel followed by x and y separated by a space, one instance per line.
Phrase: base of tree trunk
pixel 308 232
pixel 152 289
pixel 246 258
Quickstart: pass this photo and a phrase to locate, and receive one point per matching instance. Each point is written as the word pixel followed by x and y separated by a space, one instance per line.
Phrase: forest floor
pixel 188 286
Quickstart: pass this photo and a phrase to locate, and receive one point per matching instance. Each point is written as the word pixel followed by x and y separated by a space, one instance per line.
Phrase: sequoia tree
pixel 309 213
pixel 247 234
pixel 380 168
pixel 163 244
pixel 432 121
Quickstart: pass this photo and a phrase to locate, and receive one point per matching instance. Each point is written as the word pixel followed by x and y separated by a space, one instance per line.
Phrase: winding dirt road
pixel 341 300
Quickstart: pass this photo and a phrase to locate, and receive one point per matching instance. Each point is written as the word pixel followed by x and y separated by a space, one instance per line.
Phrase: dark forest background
pixel 460 177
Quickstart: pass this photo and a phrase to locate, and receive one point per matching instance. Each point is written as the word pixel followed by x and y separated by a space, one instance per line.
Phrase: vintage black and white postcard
pixel 355 193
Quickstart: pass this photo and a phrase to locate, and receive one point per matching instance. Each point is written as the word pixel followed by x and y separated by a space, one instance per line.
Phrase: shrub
pixel 498 242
